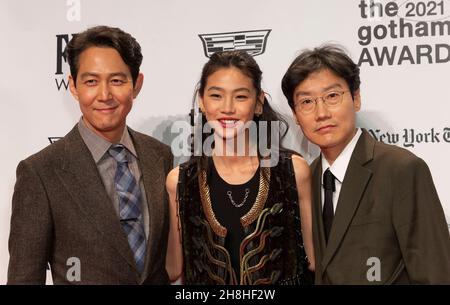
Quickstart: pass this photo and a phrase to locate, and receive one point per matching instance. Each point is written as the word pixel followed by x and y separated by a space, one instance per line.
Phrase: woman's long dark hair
pixel 248 66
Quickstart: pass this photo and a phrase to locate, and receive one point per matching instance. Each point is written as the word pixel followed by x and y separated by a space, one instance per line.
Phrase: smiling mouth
pixel 228 123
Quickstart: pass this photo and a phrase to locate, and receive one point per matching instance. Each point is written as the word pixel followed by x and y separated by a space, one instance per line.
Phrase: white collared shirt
pixel 339 168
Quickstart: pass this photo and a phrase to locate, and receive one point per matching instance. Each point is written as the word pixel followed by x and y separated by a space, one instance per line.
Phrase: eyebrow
pixel 333 86
pixel 221 89
pixel 119 74
pixel 87 74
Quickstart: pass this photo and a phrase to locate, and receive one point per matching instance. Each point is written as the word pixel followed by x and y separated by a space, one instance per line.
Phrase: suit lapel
pixel 153 179
pixel 317 203
pixel 80 177
pixel 355 181
pixel 318 229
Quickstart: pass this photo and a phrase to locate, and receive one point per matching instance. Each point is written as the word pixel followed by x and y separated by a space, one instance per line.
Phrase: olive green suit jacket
pixel 389 226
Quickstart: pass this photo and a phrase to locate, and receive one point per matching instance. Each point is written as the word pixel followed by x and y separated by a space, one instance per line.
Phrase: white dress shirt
pixel 339 168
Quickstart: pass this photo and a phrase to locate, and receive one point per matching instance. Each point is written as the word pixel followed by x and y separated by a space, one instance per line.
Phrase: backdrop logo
pixel 254 42
pixel 410 137
pixel 60 76
pixel 54 139
pixel 403 32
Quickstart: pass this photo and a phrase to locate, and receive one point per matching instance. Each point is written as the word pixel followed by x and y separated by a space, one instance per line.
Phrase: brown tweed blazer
pixel 60 209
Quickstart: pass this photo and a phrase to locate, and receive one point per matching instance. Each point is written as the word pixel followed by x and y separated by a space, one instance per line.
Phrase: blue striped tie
pixel 130 198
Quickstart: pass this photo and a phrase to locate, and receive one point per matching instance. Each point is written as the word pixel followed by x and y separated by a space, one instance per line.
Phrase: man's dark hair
pixel 328 56
pixel 108 37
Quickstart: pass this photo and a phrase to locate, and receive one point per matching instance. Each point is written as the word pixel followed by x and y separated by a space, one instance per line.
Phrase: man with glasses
pixel 377 216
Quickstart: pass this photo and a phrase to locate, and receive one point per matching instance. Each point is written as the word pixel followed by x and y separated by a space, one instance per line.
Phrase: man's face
pixel 104 90
pixel 331 128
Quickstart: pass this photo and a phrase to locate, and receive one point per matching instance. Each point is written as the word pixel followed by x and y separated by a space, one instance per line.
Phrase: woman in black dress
pixel 239 215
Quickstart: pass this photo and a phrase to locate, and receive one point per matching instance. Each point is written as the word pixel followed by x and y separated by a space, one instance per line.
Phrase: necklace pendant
pixel 238 205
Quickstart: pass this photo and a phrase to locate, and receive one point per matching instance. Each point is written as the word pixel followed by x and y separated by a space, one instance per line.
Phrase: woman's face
pixel 229 101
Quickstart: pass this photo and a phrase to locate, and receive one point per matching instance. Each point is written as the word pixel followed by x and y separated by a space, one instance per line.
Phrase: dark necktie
pixel 328 212
pixel 130 198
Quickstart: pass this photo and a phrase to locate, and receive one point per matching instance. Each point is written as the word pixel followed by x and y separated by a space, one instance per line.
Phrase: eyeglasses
pixel 307 104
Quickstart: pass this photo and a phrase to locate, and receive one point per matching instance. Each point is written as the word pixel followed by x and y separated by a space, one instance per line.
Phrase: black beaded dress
pixel 241 234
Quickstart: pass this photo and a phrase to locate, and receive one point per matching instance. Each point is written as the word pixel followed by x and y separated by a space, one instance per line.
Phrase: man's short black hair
pixel 328 56
pixel 109 37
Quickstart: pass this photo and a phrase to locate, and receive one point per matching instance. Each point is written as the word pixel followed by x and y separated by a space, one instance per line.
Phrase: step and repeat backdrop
pixel 402 47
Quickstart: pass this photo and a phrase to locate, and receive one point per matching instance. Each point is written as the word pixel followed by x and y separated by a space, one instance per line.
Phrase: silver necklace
pixel 229 193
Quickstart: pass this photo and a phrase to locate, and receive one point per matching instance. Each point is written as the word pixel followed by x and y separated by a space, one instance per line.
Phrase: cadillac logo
pixel 254 42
